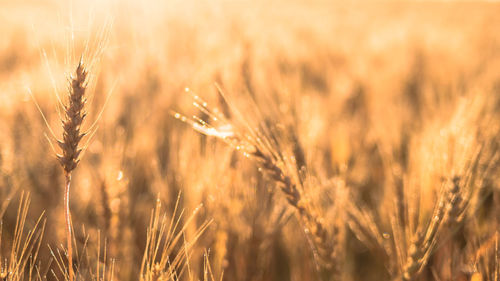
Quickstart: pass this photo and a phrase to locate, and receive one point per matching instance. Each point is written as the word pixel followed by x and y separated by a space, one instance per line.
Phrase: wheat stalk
pixel 72 135
pixel 160 260
pixel 447 212
pixel 25 247
pixel 263 146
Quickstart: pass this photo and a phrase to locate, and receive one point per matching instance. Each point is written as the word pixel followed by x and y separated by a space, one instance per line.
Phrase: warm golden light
pixel 249 140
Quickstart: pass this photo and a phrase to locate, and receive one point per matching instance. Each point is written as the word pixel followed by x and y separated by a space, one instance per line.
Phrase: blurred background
pixel 378 92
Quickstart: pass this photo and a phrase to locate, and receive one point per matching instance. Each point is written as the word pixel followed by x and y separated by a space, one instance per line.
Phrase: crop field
pixel 249 140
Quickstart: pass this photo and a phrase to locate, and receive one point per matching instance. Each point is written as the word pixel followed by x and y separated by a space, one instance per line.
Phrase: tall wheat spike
pixel 72 135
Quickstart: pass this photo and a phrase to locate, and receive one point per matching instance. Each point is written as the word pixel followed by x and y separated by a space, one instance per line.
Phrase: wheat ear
pixel 72 135
pixel 261 145
pixel 448 211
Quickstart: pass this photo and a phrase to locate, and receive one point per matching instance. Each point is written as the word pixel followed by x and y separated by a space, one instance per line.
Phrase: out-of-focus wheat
pixel 265 147
pixel 21 263
pixel 167 252
pixel 393 107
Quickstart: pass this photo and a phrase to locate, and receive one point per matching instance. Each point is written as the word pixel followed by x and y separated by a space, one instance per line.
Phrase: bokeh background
pixel 379 93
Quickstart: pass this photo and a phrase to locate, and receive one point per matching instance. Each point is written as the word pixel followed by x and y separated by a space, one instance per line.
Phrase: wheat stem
pixel 67 216
pixel 73 118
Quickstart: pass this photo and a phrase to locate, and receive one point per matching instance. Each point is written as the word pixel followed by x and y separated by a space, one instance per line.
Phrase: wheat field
pixel 249 140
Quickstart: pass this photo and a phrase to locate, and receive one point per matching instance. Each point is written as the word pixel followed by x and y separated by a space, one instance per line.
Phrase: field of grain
pixel 249 140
